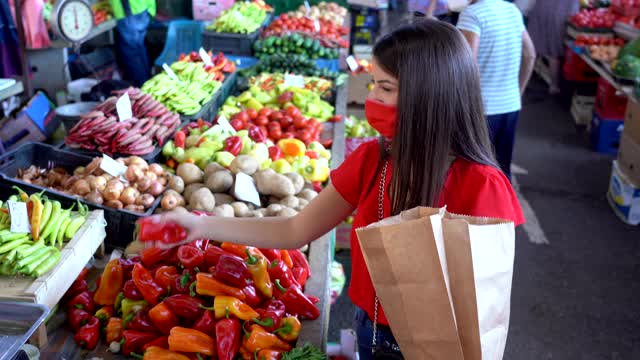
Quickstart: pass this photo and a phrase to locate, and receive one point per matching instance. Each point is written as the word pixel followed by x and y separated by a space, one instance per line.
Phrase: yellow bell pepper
pixel 292 147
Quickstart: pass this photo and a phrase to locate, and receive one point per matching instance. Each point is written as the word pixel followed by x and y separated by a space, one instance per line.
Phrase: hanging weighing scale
pixel 72 20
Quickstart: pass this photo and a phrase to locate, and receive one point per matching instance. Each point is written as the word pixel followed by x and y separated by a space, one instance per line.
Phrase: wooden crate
pixel 49 288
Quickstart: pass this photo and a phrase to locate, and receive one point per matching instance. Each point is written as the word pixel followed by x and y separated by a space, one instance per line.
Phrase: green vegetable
pixel 627 66
pixel 49 263
pixel 242 17
pixel 307 352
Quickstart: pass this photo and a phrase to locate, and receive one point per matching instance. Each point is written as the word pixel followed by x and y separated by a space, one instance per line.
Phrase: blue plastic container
pixel 184 36
pixel 605 135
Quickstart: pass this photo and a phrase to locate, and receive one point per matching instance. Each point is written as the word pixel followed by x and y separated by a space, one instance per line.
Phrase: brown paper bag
pixel 444 282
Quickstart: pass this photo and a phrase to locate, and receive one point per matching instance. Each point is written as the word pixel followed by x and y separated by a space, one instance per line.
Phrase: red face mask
pixel 381 117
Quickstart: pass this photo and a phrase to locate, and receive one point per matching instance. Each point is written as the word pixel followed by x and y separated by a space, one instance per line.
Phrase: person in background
pixel 133 19
pixel 505 55
pixel 547 23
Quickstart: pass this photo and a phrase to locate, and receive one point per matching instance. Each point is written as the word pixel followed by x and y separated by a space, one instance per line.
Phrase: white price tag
pixel 170 72
pixel 294 80
pixel 19 217
pixel 111 166
pixel 245 189
pixel 307 6
pixel 353 64
pixel 316 24
pixel 226 126
pixel 123 108
pixel 206 59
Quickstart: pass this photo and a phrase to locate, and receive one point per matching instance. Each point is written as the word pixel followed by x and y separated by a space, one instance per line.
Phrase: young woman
pixel 435 151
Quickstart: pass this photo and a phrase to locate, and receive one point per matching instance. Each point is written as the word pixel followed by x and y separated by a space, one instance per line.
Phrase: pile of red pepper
pixel 201 300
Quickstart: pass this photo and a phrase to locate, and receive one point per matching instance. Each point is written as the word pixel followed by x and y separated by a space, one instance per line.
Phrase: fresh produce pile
pixel 291 63
pixel 626 7
pixel 101 11
pixel 194 87
pixel 628 63
pixel 306 104
pixel 221 64
pixel 359 128
pixel 143 183
pixel 330 34
pixel 198 300
pixel 269 81
pixel 242 18
pixel 293 44
pixel 589 40
pixel 602 18
pixel 152 123
pixel 37 252
pixel 324 10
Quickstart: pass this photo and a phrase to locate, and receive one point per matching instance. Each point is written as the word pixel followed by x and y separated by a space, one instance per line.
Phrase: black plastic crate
pixel 120 223
pixel 231 43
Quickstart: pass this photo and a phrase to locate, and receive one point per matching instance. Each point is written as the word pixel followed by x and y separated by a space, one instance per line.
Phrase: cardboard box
pixel 629 158
pixel 632 121
pixel 358 88
pixel 35 122
pixel 207 10
pixel 624 196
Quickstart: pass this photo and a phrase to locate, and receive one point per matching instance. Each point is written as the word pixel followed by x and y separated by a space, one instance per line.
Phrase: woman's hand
pixel 193 224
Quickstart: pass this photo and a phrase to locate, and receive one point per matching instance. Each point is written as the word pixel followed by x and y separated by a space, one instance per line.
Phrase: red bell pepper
pixel 228 333
pixel 314 299
pixel 190 256
pixel 278 270
pixel 148 229
pixel 232 270
pixel 270 317
pixel 185 306
pixel 317 186
pixel 76 318
pixel 182 283
pixel 161 342
pixel 301 275
pixel 111 283
pixel 311 154
pixel 141 322
pixel 127 266
pixel 275 153
pixel 212 256
pixel 233 145
pixel 88 335
pixel 296 302
pixel 256 134
pixel 130 291
pixel 149 289
pixel 251 296
pixel 206 324
pixel 179 139
pixel 134 341
pixel 78 286
pixel 163 318
pixel 299 260
pixel 240 250
pixel 271 254
pixel 201 244
pixel 83 301
pixel 155 255
pixel 165 275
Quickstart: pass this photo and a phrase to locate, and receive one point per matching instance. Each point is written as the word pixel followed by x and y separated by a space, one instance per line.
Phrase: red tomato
pixel 253 113
pixel 276 116
pixel 292 111
pixel 190 256
pixel 265 112
pixel 286 121
pixel 242 116
pixel 263 129
pixel 291 128
pixel 288 135
pixel 262 120
pixel 237 124
pixel 304 136
pixel 275 134
pixel 312 123
pixel 300 122
pixel 274 125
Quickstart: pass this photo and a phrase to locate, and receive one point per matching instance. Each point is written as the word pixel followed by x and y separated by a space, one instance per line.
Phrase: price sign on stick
pixel 206 59
pixel 19 217
pixel 123 108
pixel 111 166
pixel 244 189
pixel 294 80
pixel 222 121
pixel 170 72
pixel 352 63
pixel 307 6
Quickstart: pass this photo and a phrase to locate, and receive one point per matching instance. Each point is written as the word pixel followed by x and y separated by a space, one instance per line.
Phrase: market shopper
pixel 133 20
pixel 435 151
pixel 506 56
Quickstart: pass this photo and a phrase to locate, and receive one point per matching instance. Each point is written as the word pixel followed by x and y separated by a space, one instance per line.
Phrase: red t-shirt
pixel 470 189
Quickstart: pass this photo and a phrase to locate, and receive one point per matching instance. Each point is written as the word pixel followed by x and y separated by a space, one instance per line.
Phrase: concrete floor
pixel 574 298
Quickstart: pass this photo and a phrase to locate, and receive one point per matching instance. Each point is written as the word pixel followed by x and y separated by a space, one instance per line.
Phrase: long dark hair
pixel 440 111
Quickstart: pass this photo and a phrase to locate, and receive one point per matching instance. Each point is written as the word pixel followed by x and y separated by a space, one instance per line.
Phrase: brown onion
pixel 129 195
pixel 155 189
pixel 94 197
pixel 145 200
pixel 78 171
pixel 115 204
pixel 143 183
pixel 156 169
pixel 99 183
pixel 138 161
pixel 151 175
pixel 133 173
pixel 162 180
pixel 116 184
pixel 81 187
pixel 111 193
pixel 136 208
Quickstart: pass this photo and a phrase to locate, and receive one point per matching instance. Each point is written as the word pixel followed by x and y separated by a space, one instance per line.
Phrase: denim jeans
pixel 502 128
pixel 131 51
pixel 364 331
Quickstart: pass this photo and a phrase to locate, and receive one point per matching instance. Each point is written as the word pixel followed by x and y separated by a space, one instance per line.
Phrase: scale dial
pixel 75 20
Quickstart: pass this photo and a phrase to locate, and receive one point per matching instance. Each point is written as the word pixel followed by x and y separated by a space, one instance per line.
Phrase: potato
pixel 297 180
pixel 189 189
pixel 259 213
pixel 220 181
pixel 244 164
pixel 222 198
pixel 274 184
pixel 240 209
pixel 202 199
pixel 287 212
pixel 224 210
pixel 176 183
pixel 290 201
pixel 212 168
pixel 302 202
pixel 190 173
pixel 274 209
pixel 180 210
pixel 307 194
